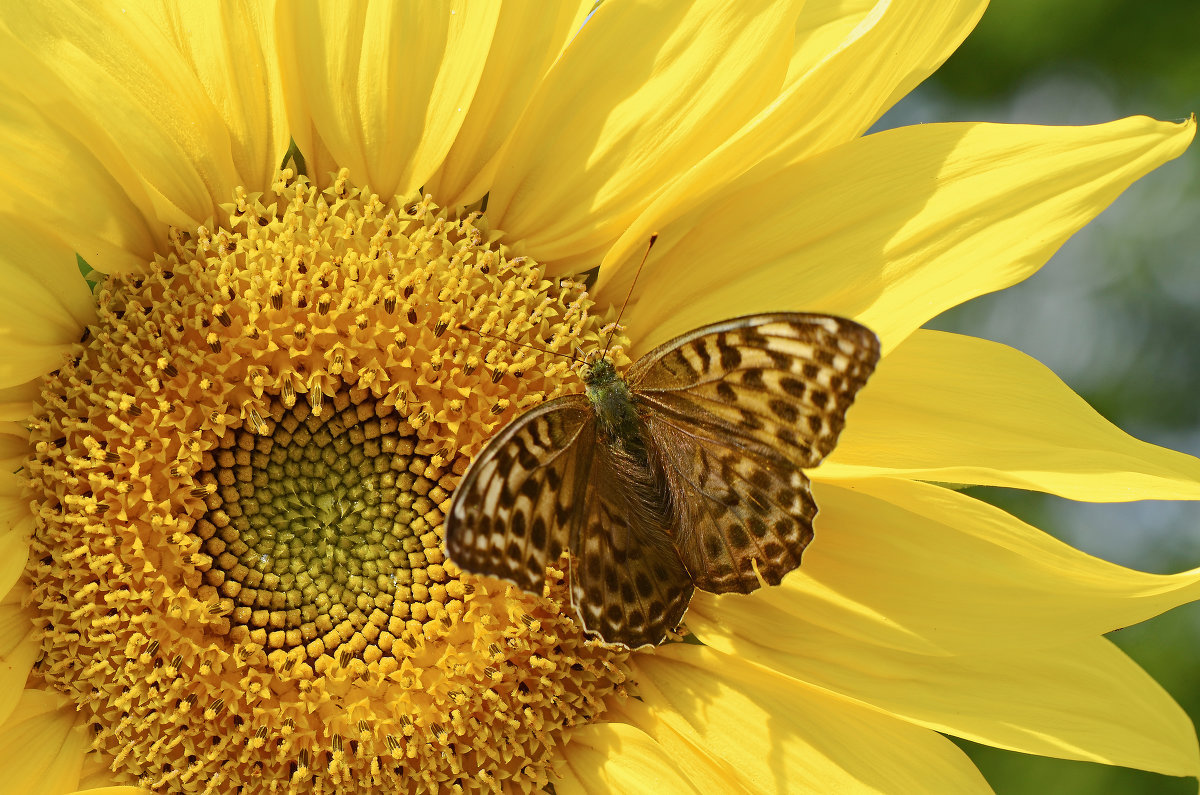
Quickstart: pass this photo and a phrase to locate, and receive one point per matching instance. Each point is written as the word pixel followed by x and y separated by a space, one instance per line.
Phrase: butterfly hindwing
pixel 733 508
pixel 735 411
pixel 514 509
pixel 628 583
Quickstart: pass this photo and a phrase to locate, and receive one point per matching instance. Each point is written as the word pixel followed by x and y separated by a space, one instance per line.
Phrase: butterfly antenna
pixel 465 327
pixel 629 294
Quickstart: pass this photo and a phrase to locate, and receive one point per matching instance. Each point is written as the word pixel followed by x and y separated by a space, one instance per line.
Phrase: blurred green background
pixel 1116 313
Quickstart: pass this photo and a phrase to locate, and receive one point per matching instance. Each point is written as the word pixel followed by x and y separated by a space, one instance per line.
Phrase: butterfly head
pixel 599 373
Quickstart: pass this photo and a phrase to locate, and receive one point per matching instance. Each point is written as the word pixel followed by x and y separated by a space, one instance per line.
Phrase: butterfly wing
pixel 628 583
pixel 513 511
pixel 736 410
pixel 545 484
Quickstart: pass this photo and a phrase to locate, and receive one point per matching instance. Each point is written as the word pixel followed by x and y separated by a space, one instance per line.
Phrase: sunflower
pixel 319 242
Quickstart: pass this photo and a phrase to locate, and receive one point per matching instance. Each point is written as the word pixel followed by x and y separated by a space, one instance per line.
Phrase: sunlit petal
pixel 958 409
pixel 383 87
pixel 893 228
pixel 646 119
pixel 743 715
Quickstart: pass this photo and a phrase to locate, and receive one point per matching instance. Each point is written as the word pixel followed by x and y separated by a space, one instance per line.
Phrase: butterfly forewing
pixel 780 382
pixel 736 410
pixel 514 508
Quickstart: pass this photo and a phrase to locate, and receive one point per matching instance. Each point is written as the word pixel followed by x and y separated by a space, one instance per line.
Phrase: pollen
pixel 239 480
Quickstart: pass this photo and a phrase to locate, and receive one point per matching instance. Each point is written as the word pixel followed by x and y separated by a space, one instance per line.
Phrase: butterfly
pixel 688 472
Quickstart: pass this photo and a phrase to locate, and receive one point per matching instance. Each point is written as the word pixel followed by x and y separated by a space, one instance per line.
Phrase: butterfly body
pixel 616 415
pixel 687 472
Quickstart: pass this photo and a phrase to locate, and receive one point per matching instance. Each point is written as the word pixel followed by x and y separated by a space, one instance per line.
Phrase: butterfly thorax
pixel 616 413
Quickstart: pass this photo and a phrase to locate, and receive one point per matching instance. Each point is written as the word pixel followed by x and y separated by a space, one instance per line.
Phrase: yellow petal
pixel 529 37
pixel 618 758
pixel 117 82
pixel 642 93
pixel 957 409
pixel 16 402
pixel 925 34
pixel 1083 699
pixel 776 734
pixel 893 228
pixel 384 87
pixel 41 747
pixel 44 306
pixel 910 590
pixel 19 649
pixel 851 63
pixel 14 446
pixel 97 778
pixel 822 28
pixel 63 193
pixel 927 570
pixel 16 526
pixel 231 49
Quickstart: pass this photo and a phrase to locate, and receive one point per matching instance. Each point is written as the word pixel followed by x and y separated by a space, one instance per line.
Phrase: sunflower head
pixel 240 477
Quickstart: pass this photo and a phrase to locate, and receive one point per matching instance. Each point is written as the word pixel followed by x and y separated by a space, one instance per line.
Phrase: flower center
pixel 239 480
pixel 322 530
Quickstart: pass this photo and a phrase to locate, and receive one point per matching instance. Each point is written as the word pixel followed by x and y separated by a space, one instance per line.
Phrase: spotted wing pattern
pixel 513 511
pixel 628 584
pixel 734 412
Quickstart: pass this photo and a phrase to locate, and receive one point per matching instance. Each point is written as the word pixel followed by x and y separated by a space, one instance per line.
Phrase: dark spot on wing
pixel 757 526
pixel 738 537
pixel 784 410
pixel 532 489
pixel 626 591
pixel 784 528
pixel 537 533
pixel 792 386
pixel 731 357
pixel 610 579
pixel 526 459
pixel 780 360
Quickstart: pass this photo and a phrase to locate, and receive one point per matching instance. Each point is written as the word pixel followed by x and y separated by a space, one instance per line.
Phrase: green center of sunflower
pixel 322 530
pixel 239 484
